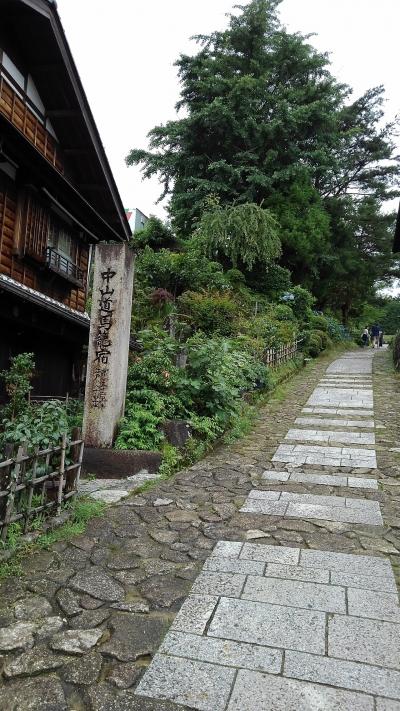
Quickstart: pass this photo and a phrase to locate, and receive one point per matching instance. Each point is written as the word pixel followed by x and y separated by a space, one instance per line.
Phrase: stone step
pixel 363 438
pixel 327 508
pixel 300 454
pixel 282 629
pixel 320 479
pixel 325 422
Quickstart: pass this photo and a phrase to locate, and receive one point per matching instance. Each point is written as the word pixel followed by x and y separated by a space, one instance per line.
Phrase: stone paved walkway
pixel 251 582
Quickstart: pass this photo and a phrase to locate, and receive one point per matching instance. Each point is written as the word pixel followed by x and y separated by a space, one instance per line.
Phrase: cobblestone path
pixel 262 578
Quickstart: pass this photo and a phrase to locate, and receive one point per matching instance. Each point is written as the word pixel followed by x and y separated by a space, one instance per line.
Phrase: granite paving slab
pixel 320 479
pixel 329 436
pixel 347 412
pixel 340 397
pixel 356 365
pixel 298 627
pixel 327 422
pixel 326 456
pixel 254 690
pixel 362 385
pixel 326 508
pixel 195 684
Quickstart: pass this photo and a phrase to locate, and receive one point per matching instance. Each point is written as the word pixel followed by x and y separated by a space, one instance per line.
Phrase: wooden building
pixel 57 196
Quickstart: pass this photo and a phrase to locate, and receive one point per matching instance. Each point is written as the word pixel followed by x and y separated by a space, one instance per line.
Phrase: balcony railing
pixel 16 105
pixel 62 266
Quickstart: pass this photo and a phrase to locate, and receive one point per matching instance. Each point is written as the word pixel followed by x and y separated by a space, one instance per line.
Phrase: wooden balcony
pixel 17 107
pixel 62 266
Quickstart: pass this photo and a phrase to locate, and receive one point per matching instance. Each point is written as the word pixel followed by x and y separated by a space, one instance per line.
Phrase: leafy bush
pixel 318 323
pixel 325 340
pixel 17 381
pixel 390 320
pixel 210 312
pixel 273 332
pixel 39 426
pixel 215 376
pixel 74 412
pixel 281 312
pixel 336 330
pixel 153 370
pixel 139 429
pixel 300 301
pixel 272 281
pixel 179 271
pixel 314 344
pixel 155 234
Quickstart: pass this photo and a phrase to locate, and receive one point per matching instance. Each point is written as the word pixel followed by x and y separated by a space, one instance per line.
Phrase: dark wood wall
pixel 18 112
pixel 25 262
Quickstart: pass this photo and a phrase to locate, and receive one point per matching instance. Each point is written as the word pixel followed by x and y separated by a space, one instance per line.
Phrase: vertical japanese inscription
pixel 102 340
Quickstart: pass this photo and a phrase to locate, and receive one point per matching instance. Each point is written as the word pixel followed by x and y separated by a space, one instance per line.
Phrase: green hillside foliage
pixel 275 176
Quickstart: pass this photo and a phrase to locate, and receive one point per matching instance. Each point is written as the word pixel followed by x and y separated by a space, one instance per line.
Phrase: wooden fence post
pixel 61 470
pixel 31 490
pixel 76 454
pixel 15 475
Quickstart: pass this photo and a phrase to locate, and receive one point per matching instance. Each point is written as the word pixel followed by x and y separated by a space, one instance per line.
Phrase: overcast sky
pixel 125 50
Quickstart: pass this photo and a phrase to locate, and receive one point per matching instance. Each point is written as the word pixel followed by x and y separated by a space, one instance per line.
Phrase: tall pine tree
pixel 265 122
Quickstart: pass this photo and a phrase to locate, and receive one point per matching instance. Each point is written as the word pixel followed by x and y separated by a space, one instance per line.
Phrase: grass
pixel 82 510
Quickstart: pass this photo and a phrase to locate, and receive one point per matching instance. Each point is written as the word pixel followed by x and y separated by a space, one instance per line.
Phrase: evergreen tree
pixel 265 122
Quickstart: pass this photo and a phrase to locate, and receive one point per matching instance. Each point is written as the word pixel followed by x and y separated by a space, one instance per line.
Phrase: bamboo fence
pixel 273 357
pixel 34 483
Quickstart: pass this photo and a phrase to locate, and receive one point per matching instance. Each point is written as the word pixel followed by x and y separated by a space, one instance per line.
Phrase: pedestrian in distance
pixel 365 336
pixel 375 335
pixel 380 336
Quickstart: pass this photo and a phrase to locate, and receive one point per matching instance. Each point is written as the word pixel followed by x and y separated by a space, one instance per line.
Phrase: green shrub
pixel 272 280
pixel 17 380
pixel 314 344
pixel 179 271
pixel 300 301
pixel 153 370
pixel 336 330
pixel 39 426
pixel 74 412
pixel 281 312
pixel 139 429
pixel 155 234
pixel 210 312
pixel 318 323
pixel 273 332
pixel 325 340
pixel 216 375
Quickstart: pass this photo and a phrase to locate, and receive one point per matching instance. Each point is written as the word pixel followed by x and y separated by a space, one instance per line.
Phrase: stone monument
pixel 108 343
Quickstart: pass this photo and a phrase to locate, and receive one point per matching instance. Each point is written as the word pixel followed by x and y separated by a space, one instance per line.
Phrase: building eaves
pixel 46 302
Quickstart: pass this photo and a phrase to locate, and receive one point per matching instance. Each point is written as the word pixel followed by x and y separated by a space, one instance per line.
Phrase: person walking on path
pixel 365 336
pixel 380 343
pixel 375 335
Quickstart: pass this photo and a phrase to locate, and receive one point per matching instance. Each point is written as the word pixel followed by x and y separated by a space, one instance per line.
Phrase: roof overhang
pixel 43 301
pixel 35 26
pixel 34 166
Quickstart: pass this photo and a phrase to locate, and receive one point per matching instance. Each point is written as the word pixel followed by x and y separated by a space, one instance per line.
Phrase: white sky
pixel 125 52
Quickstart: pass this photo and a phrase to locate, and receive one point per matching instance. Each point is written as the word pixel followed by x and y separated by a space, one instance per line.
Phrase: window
pixel 60 239
pixel 14 72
